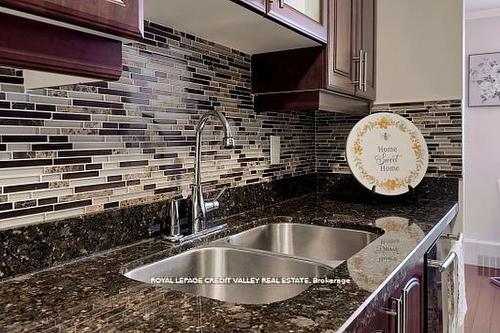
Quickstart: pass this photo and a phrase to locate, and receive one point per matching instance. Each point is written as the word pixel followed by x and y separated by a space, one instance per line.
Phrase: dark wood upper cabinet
pixel 257 5
pixel 337 77
pixel 351 44
pixel 289 70
pixel 30 44
pixel 122 18
pixel 297 80
pixel 365 45
pixel 341 47
pixel 310 17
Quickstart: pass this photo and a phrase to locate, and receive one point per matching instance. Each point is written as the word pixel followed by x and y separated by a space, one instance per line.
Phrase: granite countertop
pixel 91 294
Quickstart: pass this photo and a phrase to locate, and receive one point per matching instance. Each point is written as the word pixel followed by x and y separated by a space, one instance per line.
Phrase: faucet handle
pixel 213 204
pixel 217 197
pixel 177 197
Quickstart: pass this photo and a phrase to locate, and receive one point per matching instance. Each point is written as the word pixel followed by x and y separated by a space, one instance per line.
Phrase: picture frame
pixel 484 79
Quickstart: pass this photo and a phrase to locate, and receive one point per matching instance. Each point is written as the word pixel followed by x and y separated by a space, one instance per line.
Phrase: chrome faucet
pixel 175 223
pixel 200 207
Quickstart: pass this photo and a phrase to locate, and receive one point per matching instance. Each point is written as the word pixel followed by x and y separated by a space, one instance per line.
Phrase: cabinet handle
pixel 450 258
pixel 361 72
pixel 401 306
pixel 365 70
pixel 396 313
pixel 118 2
pixel 281 3
pixel 359 60
pixel 442 265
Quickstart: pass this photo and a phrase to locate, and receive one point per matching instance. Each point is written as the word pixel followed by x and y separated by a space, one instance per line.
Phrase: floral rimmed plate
pixel 387 151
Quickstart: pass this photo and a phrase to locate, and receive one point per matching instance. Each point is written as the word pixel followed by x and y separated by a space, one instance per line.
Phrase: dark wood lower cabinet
pixel 380 324
pixel 412 305
pixel 404 310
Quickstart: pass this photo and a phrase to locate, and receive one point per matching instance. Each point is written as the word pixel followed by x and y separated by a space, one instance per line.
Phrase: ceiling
pixel 477 5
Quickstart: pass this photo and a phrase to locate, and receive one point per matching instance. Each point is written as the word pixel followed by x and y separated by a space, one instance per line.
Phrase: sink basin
pixel 326 244
pixel 228 262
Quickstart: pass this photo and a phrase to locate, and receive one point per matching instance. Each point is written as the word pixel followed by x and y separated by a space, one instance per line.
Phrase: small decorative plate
pixel 387 151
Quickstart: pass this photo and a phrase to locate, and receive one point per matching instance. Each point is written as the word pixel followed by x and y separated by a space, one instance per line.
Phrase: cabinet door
pixel 365 43
pixel 341 65
pixel 379 324
pixel 408 305
pixel 117 17
pixel 307 16
pixel 51 53
pixel 258 5
pixel 412 306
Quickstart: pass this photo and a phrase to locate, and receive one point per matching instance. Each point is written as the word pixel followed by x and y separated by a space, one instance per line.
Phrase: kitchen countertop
pixel 91 294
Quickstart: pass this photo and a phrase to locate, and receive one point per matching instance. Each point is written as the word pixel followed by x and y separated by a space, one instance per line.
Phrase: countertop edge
pixel 354 317
pixel 428 240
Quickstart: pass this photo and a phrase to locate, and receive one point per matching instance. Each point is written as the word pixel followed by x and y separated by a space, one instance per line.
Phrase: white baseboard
pixel 481 253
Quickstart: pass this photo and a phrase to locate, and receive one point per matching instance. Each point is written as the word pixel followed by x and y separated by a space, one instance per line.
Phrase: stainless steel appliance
pixel 438 260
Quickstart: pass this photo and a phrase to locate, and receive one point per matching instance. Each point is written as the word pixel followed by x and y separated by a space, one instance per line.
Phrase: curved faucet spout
pixel 228 140
pixel 200 208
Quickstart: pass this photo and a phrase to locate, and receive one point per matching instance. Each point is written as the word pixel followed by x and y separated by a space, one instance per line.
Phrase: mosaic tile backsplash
pixel 78 149
pixel 72 150
pixel 440 123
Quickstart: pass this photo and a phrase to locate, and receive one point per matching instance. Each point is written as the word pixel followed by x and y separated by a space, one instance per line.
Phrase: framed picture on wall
pixel 484 79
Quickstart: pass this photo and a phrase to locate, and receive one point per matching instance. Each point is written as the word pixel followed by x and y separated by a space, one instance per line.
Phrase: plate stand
pixel 409 196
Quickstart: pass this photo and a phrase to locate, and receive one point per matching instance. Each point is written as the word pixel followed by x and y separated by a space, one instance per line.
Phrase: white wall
pixel 482 156
pixel 419 47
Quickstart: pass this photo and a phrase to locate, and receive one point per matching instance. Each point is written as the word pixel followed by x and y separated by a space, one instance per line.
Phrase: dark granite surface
pixel 34 247
pixel 91 295
pixel 341 185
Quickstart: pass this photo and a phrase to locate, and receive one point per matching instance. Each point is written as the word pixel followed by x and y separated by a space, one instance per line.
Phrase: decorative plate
pixel 387 153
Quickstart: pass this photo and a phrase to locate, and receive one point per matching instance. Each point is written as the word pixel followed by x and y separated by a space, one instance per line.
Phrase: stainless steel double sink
pixel 262 265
